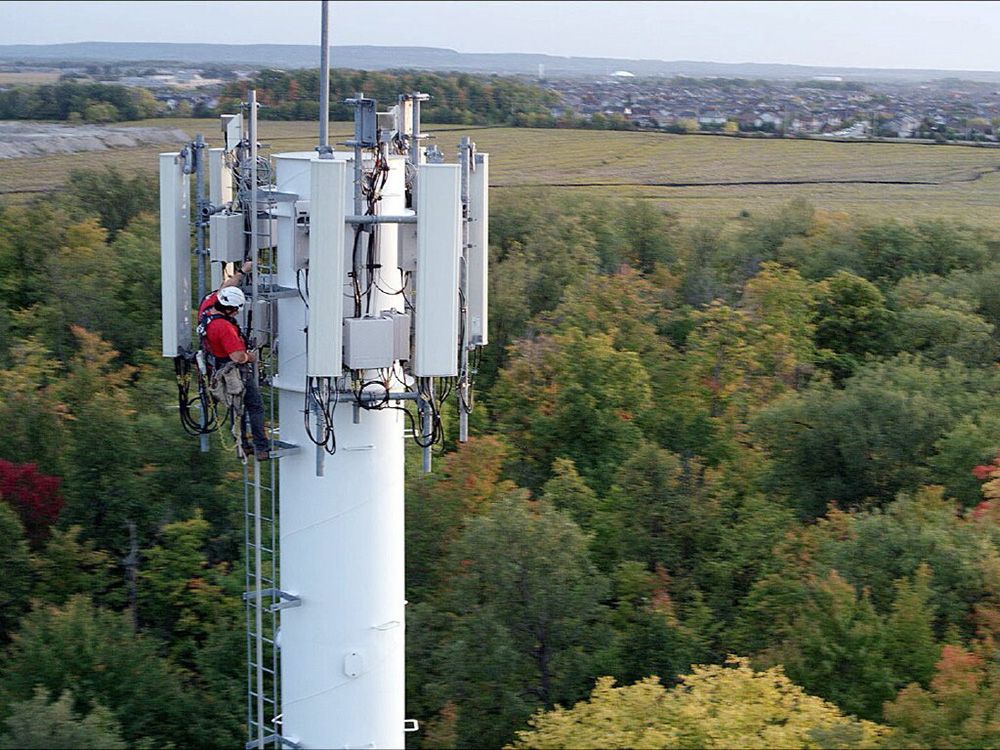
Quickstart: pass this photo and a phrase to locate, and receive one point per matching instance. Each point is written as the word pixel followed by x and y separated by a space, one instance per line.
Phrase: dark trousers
pixel 253 410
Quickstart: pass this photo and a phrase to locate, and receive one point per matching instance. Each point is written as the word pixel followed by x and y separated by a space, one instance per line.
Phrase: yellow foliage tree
pixel 717 706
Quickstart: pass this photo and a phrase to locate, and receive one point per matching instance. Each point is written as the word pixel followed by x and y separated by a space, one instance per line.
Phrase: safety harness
pixel 224 377
pixel 204 320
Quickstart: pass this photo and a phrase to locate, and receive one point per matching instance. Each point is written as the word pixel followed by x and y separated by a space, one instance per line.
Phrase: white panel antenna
pixel 479 251
pixel 220 179
pixel 439 240
pixel 232 128
pixel 175 254
pixel 326 268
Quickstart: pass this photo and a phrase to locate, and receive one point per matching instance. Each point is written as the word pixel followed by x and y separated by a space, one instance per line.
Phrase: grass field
pixel 698 177
pixel 29 78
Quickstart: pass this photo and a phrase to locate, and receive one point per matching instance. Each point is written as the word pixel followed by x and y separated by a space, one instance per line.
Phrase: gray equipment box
pixel 368 343
pixel 400 333
pixel 226 237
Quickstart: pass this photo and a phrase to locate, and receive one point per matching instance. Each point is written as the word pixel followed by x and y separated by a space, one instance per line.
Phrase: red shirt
pixel 221 336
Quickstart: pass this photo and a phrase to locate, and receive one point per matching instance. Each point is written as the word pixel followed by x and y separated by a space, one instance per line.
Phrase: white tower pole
pixel 342 649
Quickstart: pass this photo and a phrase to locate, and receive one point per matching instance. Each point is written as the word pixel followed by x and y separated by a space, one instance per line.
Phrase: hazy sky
pixel 951 36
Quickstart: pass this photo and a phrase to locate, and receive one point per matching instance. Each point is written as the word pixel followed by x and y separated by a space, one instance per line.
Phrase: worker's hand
pixel 247 266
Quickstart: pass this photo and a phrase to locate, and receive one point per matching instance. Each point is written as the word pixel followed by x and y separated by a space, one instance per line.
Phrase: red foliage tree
pixel 34 496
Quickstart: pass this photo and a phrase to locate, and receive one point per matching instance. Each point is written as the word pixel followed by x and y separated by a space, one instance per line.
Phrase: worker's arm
pixel 236 277
pixel 241 357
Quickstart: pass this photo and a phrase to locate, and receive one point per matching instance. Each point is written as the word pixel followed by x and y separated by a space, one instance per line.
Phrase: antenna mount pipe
pixel 324 84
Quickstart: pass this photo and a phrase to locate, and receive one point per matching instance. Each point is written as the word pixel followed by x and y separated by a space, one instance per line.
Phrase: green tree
pixel 567 491
pixel 576 397
pixel 652 512
pixel 69 566
pixel 525 603
pixel 101 112
pixel 105 470
pixel 649 636
pixel 973 441
pixel 866 442
pixel 116 197
pixel 38 724
pixel 874 551
pixel 939 333
pixel 179 595
pixel 851 322
pixel 647 232
pixel 96 654
pixel 80 273
pixel 836 648
pixel 15 563
pixel 909 630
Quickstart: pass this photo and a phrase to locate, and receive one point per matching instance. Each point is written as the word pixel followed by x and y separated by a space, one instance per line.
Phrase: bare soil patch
pixel 20 140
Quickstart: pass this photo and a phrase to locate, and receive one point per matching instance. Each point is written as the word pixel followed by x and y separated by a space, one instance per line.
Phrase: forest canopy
pixel 751 462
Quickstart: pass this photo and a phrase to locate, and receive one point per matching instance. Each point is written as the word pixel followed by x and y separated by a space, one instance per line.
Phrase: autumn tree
pixel 960 708
pixel 780 305
pixel 31 410
pixel 464 485
pixel 718 706
pixel 34 496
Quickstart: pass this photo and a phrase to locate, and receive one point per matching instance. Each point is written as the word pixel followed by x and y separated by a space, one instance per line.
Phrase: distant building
pixel 622 74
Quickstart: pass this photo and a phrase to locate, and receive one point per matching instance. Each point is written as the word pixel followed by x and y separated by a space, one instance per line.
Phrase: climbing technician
pixel 230 358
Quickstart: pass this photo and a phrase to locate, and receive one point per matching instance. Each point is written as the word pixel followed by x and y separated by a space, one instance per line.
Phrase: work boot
pixel 263 454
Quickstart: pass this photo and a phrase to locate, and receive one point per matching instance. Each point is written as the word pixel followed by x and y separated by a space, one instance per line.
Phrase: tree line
pixel 729 484
pixel 74 101
pixel 460 98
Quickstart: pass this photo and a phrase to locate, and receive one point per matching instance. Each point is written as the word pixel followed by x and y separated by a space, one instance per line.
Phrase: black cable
pixel 298 285
pixel 207 424
pixel 314 392
pixel 355 267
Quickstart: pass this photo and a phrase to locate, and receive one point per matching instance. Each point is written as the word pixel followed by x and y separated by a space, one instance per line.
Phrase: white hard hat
pixel 231 296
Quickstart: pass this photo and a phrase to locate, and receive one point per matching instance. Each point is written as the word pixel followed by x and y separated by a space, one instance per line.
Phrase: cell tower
pixel 367 297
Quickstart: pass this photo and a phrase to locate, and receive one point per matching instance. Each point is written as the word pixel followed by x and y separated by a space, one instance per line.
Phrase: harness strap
pixel 204 320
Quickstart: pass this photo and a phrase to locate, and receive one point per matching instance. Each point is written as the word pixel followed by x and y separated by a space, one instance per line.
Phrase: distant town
pixel 824 106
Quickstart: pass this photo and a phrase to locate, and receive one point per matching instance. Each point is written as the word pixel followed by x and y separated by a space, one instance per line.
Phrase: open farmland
pixel 697 177
pixel 28 77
